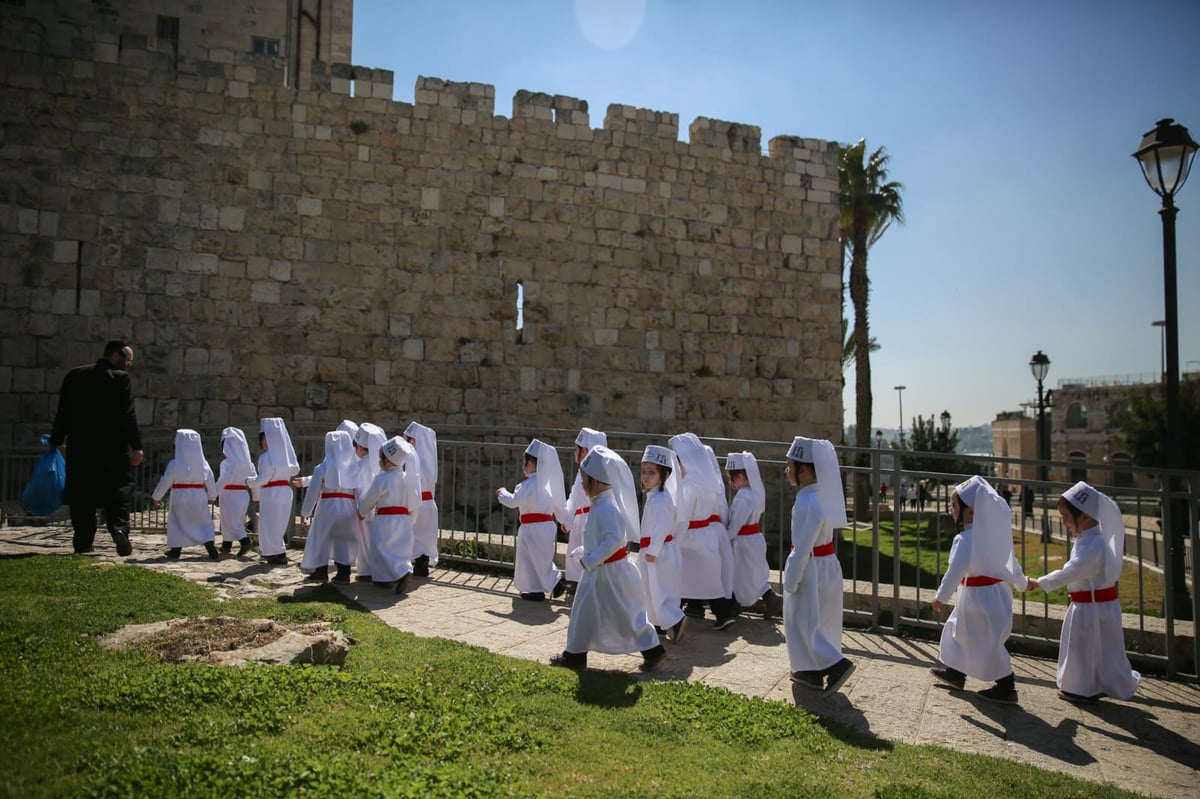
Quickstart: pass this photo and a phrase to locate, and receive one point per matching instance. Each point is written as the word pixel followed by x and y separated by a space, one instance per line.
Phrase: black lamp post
pixel 1039 367
pixel 900 398
pixel 878 439
pixel 1166 155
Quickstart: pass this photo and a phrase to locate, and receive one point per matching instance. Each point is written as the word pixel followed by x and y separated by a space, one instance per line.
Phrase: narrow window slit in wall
pixel 520 312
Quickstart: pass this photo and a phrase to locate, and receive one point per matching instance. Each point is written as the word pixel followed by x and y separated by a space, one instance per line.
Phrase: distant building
pixel 1014 435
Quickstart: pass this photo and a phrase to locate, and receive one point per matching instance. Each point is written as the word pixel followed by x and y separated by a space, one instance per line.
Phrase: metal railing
pixel 890 578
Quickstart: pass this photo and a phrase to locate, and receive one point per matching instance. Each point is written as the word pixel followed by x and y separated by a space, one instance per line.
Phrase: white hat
pixel 235 448
pixel 280 451
pixel 398 451
pixel 663 456
pixel 1104 510
pixel 991 530
pixel 821 454
pixel 698 464
pixel 339 459
pixel 549 473
pixel 611 469
pixel 349 427
pixel 589 438
pixel 426 445
pixel 189 454
pixel 745 461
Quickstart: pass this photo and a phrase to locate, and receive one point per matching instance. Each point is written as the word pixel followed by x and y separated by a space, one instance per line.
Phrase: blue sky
pixel 1010 124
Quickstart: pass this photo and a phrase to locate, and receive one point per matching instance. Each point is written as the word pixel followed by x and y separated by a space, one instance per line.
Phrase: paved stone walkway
pixel 1150 744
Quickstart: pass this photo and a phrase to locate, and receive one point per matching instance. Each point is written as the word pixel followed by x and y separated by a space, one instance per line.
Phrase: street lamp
pixel 878 439
pixel 900 396
pixel 1161 324
pixel 1165 156
pixel 1039 367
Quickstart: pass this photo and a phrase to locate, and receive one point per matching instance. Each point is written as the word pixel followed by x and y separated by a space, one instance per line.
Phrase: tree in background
pixel 869 205
pixel 926 437
pixel 1142 425
pixel 848 344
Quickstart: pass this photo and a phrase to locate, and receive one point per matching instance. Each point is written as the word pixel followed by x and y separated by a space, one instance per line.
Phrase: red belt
pixel 535 518
pixel 975 582
pixel 391 510
pixel 426 496
pixel 645 542
pixel 1099 595
pixel 186 485
pixel 749 529
pixel 237 488
pixel 337 495
pixel 825 550
pixel 580 511
pixel 277 484
pixel 620 554
pixel 696 524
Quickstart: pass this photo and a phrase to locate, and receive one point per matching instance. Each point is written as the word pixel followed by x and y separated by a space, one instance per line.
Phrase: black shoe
pixel 320 575
pixel 652 657
pixel 420 566
pixel 693 609
pixel 363 578
pixel 998 694
pixel 559 588
pixel 173 553
pixel 534 596
pixel 84 551
pixel 278 560
pixel 211 549
pixel 399 589
pixel 675 634
pixel 774 605
pixel 244 548
pixel 124 548
pixel 809 679
pixel 953 679
pixel 570 660
pixel 721 624
pixel 343 573
pixel 1079 699
pixel 837 674
pixel 227 547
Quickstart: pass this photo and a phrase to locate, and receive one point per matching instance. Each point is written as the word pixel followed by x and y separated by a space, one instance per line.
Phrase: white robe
pixel 425 524
pixel 660 578
pixel 609 611
pixel 390 536
pixel 189 518
pixel 576 511
pixel 334 531
pixel 701 566
pixel 274 506
pixel 812 589
pixel 973 637
pixel 751 574
pixel 1091 657
pixel 535 571
pixel 234 494
pixel 366 472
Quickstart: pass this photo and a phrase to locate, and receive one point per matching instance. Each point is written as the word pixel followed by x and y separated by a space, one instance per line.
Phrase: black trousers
pixel 115 503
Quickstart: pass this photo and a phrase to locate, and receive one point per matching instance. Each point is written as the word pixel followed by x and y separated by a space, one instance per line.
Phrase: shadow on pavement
pixel 1013 723
pixel 1143 730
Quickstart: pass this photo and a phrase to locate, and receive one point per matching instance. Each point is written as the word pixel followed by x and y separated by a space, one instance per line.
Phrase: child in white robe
pixel 980 568
pixel 331 501
pixel 1092 662
pixel 277 465
pixel 425 522
pixel 609 612
pixel 575 512
pixel 751 573
pixel 703 569
pixel 346 426
pixel 193 488
pixel 539 497
pixel 658 549
pixel 368 440
pixel 389 502
pixel 233 487
pixel 812 575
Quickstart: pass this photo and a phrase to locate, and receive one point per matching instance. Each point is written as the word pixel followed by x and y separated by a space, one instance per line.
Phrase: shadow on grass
pixel 607 689
pixel 839 718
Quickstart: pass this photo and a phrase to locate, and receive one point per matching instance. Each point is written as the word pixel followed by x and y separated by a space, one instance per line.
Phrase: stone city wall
pixel 331 253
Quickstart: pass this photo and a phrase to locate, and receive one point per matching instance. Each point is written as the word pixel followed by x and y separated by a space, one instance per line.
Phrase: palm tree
pixel 869 205
pixel 848 339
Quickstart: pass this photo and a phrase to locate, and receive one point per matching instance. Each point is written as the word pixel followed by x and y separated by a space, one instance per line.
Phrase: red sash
pixel 278 484
pixel 825 550
pixel 620 554
pixel 391 510
pixel 237 488
pixel 337 495
pixel 974 582
pixel 186 485
pixel 696 524
pixel 426 496
pixel 645 542
pixel 1099 595
pixel 580 511
pixel 535 518
pixel 749 529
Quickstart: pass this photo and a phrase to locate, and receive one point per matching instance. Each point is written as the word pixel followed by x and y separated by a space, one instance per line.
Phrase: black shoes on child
pixel 828 680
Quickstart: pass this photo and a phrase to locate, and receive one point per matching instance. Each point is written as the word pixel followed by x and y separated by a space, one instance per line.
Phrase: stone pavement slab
pixel 1150 744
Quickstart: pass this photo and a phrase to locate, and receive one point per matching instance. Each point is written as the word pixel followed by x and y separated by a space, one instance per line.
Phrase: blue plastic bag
pixel 44 492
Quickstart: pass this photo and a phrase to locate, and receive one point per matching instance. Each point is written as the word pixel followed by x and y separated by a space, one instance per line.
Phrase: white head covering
pixel 398 451
pixel 831 495
pixel 610 468
pixel 549 473
pixel 746 460
pixel 992 538
pixel 589 438
pixel 348 427
pixel 1104 510
pixel 237 454
pixel 426 445
pixel 664 456
pixel 280 451
pixel 340 461
pixel 696 462
pixel 189 457
pixel 371 437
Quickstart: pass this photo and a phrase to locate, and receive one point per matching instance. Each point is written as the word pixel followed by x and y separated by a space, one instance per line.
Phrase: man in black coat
pixel 97 421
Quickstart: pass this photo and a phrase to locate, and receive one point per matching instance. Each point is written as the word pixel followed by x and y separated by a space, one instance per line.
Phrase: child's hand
pixel 1032 585
pixel 297 482
pixel 304 519
pixel 938 607
pixel 649 558
pixel 156 503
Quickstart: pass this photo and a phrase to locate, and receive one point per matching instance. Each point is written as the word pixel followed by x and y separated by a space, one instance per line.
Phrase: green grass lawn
pixel 405 716
pixel 924 552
